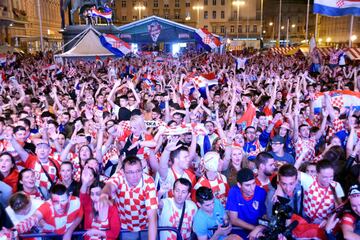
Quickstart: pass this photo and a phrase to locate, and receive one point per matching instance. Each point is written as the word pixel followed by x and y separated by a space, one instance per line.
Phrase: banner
pixel 115 45
pixel 339 98
pixel 336 8
pixel 154 30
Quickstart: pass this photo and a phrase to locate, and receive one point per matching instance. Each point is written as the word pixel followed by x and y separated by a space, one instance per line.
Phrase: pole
pixel 279 33
pixel 307 21
pixel 40 25
pixel 287 32
pixel 247 21
pixel 351 29
pixel 139 13
pixel 237 21
pixel 198 16
pixel 261 17
pixel 316 26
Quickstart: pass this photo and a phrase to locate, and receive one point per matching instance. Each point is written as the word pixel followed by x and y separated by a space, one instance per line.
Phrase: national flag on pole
pixel 97 13
pixel 207 39
pixel 49 67
pixel 339 98
pixel 335 8
pixel 115 45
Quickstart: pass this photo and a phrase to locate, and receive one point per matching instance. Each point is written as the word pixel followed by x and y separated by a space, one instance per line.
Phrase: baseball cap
pixel 244 175
pixel 278 139
pixel 211 161
pixel 354 190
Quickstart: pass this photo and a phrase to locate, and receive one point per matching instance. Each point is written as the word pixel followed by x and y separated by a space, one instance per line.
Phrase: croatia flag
pixel 49 67
pixel 202 80
pixel 115 45
pixel 335 8
pixel 207 39
pixel 339 99
pixel 97 13
pixel 3 60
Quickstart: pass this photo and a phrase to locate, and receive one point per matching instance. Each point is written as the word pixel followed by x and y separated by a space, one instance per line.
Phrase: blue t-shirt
pixel 203 222
pixel 248 210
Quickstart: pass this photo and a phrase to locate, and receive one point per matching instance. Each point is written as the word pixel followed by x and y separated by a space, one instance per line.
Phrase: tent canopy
pixel 89 45
pixel 138 32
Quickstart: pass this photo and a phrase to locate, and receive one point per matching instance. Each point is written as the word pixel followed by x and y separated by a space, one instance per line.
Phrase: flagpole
pixel 307 20
pixel 40 26
pixel 279 33
pixel 287 32
pixel 351 30
pixel 316 26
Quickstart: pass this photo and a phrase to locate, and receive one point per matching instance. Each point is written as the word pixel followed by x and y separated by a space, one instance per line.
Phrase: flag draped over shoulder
pixel 115 45
pixel 207 39
pixel 248 116
pixel 335 8
pixel 339 98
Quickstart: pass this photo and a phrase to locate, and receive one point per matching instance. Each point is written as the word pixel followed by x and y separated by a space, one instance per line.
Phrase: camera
pixel 277 224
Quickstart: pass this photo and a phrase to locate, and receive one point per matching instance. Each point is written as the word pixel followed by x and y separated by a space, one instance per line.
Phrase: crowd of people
pixel 205 143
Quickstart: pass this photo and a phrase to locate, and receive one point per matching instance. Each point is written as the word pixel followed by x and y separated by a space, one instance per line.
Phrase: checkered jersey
pixel 60 223
pixel 170 217
pixel 171 177
pixel 318 202
pixel 132 203
pixel 42 180
pixel 302 144
pixel 97 224
pixel 219 186
pixel 337 126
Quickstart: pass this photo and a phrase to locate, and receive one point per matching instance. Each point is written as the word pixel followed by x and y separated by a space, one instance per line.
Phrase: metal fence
pixel 79 234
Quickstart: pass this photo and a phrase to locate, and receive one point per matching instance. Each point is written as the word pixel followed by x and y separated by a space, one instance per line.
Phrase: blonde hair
pixel 139 121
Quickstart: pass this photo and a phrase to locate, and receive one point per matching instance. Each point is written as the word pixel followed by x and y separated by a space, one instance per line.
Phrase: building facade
pixel 219 16
pixel 20 23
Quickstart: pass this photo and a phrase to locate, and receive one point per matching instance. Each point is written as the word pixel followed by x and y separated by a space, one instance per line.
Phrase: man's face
pixel 133 173
pixel 20 136
pixel 270 167
pixel 210 127
pixel 250 134
pixel 42 151
pixel 277 146
pixel 181 193
pixel 248 188
pixel 262 121
pixel 311 170
pixel 177 118
pixel 183 160
pixel 355 203
pixel 208 206
pixel 288 184
pixel 305 131
pixel 60 203
pixel 123 102
pixel 325 177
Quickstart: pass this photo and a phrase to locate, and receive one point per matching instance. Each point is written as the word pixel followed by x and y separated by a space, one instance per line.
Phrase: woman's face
pixel 5 164
pixel 84 153
pixel 93 164
pixel 236 156
pixel 282 132
pixel 135 128
pixel 66 172
pixel 95 194
pixel 239 139
pixel 28 179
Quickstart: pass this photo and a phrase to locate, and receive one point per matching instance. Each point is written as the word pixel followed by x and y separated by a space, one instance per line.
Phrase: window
pixel 177 14
pixel 187 4
pixel 156 3
pixel 166 13
pixel 255 28
pixel 222 29
pixel 205 14
pixel 123 3
pixel 222 14
pixel 247 28
pixel 240 29
pixel 156 12
pixel 214 29
pixel 134 3
pixel 232 28
pixel 234 14
pixel 135 18
pixel 123 18
pixel 214 2
pixel 206 27
pixel 223 2
pixel 205 2
pixel 166 5
pixel 214 14
pixel 177 3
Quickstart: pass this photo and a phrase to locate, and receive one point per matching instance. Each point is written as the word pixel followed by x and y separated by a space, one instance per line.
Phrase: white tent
pixel 89 45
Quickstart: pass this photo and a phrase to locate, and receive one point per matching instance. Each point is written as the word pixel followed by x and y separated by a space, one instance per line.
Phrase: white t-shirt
pixel 170 217
pixel 16 218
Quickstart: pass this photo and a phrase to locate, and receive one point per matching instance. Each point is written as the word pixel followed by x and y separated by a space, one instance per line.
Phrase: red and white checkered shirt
pixel 170 217
pixel 60 223
pixel 42 180
pixel 302 144
pixel 337 126
pixel 219 186
pixel 133 203
pixel 318 202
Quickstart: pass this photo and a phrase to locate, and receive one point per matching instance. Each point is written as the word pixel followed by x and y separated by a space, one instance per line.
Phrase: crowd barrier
pixel 79 234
